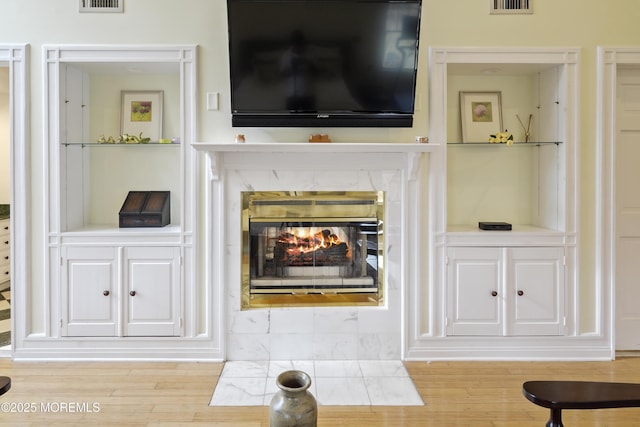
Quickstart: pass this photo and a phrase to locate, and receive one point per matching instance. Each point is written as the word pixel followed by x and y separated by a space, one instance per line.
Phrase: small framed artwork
pixel 481 114
pixel 142 112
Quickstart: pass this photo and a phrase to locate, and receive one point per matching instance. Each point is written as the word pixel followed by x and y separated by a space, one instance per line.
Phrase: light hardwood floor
pixel 174 394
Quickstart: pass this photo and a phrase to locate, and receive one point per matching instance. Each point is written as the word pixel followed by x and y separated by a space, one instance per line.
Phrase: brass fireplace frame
pixel 315 206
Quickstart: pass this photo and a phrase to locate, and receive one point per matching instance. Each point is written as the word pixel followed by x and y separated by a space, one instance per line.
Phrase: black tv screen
pixel 323 63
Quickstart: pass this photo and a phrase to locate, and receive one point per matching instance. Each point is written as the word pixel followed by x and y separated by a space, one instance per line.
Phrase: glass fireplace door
pixel 312 244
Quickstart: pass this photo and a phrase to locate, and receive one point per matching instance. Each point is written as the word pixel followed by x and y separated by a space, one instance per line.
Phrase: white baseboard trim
pixel 117 349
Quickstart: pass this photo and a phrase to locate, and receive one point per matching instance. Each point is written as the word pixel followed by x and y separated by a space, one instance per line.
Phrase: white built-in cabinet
pixel 121 291
pixel 505 291
pixel 509 285
pixel 5 250
pixel 110 281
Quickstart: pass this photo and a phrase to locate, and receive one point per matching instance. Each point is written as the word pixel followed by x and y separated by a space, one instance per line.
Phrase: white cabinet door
pixel 5 250
pixel 474 291
pixel 152 294
pixel 535 284
pixel 505 291
pixel 115 291
pixel 89 291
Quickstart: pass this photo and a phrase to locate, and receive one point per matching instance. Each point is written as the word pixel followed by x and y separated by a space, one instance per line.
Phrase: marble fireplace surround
pixel 312 333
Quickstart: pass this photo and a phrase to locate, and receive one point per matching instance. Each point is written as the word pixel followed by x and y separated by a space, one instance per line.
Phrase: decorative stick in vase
pixel 527 130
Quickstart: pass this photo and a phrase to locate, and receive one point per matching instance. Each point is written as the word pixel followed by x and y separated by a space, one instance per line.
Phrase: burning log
pixel 321 248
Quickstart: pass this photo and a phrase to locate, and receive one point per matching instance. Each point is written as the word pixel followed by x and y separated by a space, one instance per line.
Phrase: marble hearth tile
pixel 379 346
pixel 337 382
pixel 337 368
pixel 335 320
pixel 276 367
pixel 341 391
pixel 392 391
pixel 249 322
pixel 297 320
pixel 295 346
pixel 248 347
pixel 335 346
pixel 383 368
pixel 246 369
pixel 377 320
pixel 239 392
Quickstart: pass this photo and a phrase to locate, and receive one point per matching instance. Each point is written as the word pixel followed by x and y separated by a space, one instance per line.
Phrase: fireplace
pixel 304 248
pixel 386 325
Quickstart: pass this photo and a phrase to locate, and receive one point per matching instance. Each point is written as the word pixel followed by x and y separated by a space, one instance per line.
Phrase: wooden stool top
pixel 582 394
pixel 5 385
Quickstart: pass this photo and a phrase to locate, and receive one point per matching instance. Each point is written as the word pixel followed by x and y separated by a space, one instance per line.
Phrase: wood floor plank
pixel 132 394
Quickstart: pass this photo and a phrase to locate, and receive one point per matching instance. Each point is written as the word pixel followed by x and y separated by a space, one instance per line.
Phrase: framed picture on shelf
pixel 481 114
pixel 142 112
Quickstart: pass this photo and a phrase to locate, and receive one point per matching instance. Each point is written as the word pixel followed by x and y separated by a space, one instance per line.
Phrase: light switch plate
pixel 212 101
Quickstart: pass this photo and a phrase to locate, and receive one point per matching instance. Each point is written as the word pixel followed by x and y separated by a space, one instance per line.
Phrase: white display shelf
pixel 112 234
pixel 111 145
pixel 520 235
pixel 494 144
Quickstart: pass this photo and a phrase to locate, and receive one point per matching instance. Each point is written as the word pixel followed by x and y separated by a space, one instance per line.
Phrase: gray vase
pixel 293 405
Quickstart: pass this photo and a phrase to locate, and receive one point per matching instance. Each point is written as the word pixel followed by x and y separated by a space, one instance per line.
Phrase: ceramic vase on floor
pixel 293 405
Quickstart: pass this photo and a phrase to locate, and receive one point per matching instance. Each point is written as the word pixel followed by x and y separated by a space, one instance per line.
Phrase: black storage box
pixel 489 225
pixel 146 209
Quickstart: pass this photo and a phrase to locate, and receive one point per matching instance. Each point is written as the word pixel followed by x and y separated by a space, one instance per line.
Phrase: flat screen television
pixel 323 63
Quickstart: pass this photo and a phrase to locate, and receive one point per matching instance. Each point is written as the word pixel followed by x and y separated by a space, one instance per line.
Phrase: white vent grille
pixel 101 5
pixel 503 7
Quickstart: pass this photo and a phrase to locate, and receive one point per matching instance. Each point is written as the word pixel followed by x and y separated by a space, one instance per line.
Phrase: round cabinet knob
pixel 105 293
pixel 494 293
pixel 520 293
pixel 132 293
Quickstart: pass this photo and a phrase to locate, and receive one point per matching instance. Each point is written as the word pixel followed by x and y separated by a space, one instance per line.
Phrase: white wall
pixel 575 23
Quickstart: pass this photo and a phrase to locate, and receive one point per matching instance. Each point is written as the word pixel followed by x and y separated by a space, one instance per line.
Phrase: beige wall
pixel 569 23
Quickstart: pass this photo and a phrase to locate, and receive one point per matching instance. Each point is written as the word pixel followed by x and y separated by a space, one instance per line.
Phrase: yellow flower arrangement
pixel 501 138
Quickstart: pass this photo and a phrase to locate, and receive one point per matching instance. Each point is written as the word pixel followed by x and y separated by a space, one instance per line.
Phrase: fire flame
pixel 308 241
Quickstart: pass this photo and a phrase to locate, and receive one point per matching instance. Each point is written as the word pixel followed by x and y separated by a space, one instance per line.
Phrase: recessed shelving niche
pixel 137 282
pixel 524 183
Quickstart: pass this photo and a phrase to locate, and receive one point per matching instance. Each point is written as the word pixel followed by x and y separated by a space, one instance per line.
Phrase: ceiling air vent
pixel 513 7
pixel 101 5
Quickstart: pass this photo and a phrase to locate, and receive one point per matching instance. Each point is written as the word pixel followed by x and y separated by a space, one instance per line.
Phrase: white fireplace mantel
pixel 349 332
pixel 215 151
